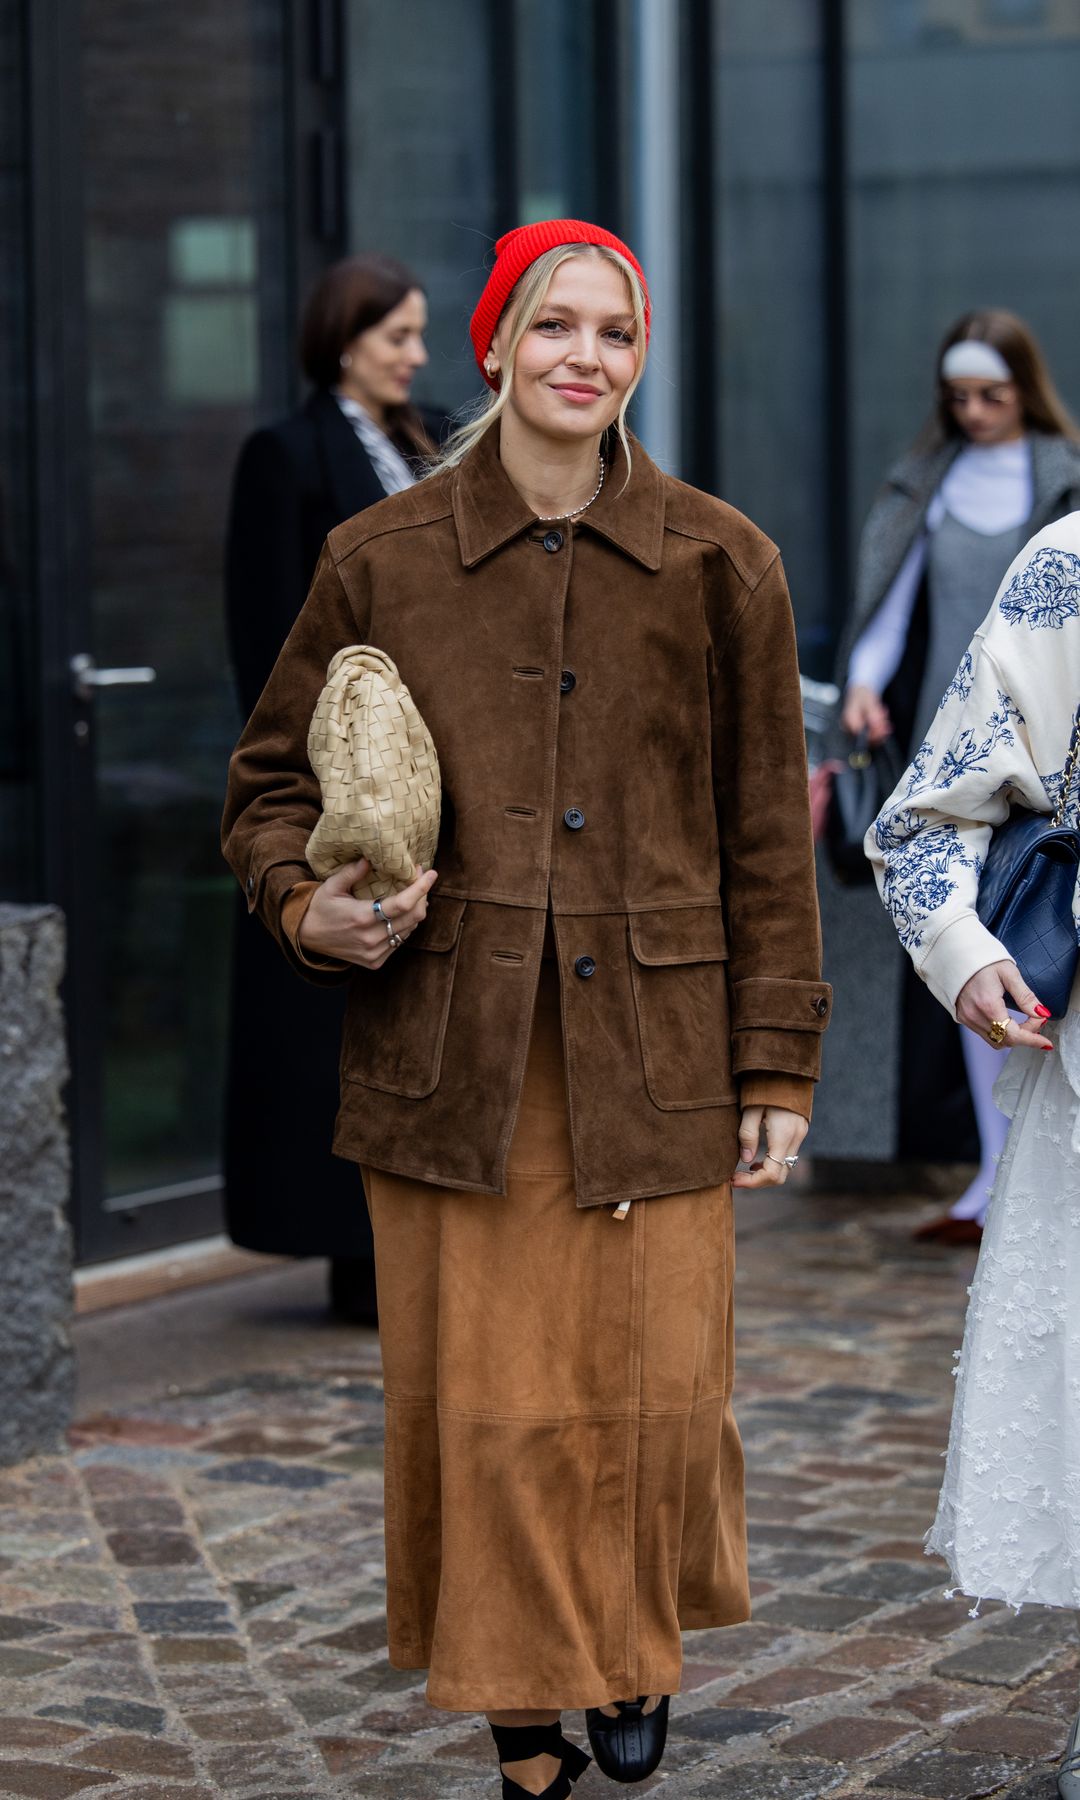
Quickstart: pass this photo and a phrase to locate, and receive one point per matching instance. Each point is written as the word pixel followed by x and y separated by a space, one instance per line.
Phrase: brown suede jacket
pixel 617 714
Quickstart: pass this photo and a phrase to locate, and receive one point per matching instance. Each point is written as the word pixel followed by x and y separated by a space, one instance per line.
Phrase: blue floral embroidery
pixel 960 685
pixel 918 864
pixel 917 772
pixel 967 754
pixel 1045 592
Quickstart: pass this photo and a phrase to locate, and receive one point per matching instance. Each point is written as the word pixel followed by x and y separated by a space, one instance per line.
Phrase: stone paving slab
pixel 192 1601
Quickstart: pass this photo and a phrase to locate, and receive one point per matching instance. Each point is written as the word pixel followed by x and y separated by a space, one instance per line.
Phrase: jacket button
pixel 567 681
pixel 821 1006
pixel 585 966
pixel 574 818
pixel 553 540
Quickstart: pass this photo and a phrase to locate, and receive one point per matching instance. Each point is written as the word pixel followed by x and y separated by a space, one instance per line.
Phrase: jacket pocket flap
pixel 683 934
pixel 442 925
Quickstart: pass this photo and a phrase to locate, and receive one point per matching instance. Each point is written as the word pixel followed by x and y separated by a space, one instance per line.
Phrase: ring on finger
pixel 780 1161
pixel 376 907
pixel 997 1031
pixel 396 941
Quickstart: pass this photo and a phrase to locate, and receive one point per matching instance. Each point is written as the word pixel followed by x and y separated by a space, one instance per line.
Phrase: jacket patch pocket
pixel 396 1019
pixel 678 964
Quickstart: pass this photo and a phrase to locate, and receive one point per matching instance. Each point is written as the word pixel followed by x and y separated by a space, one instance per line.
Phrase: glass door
pixel 187 345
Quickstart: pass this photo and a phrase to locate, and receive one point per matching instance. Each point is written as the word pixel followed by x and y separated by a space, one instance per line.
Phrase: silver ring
pixel 780 1161
pixel 396 941
pixel 389 923
pixel 791 1161
pixel 376 907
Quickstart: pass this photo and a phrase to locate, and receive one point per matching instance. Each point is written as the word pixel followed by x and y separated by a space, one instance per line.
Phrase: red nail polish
pixel 1043 1012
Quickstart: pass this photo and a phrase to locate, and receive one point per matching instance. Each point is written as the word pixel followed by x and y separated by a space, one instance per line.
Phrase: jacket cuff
pixel 293 912
pixel 777 1025
pixel 958 953
pixel 271 878
pixel 773 1088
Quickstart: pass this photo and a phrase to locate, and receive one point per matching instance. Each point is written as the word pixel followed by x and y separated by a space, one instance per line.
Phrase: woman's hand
pixel 349 930
pixel 866 711
pixel 983 999
pixel 784 1133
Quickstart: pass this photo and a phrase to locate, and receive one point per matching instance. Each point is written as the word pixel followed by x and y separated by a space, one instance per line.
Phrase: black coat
pixel 294 482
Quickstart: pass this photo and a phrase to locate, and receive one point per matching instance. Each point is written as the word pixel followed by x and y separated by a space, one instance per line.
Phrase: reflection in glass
pixel 185 209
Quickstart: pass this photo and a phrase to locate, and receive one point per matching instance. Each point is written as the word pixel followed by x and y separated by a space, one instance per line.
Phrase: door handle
pixel 86 677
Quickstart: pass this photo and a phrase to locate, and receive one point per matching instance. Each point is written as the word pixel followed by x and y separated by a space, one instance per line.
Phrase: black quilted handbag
pixel 861 784
pixel 1026 891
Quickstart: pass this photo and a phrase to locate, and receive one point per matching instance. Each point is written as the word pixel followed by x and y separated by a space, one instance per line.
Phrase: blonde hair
pixel 524 304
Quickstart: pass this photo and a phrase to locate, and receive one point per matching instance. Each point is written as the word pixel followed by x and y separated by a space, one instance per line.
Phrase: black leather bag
pixel 861 784
pixel 1026 897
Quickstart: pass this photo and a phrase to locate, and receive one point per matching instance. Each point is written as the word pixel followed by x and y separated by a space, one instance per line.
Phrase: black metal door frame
pixel 62 542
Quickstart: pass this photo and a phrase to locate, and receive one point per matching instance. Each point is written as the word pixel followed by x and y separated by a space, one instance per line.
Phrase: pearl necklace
pixel 549 518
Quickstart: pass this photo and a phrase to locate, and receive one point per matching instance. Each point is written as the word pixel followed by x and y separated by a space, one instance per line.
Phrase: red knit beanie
pixel 514 253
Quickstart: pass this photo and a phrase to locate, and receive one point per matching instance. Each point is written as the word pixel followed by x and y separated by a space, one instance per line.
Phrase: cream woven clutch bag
pixel 378 771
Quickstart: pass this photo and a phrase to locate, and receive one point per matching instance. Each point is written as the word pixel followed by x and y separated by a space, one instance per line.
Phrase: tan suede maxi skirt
pixel 564 1476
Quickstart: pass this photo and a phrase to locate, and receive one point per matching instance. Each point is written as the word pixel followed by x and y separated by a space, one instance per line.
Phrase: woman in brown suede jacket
pixel 550 1068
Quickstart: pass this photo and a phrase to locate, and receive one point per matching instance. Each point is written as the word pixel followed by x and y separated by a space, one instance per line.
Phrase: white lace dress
pixel 1008 1520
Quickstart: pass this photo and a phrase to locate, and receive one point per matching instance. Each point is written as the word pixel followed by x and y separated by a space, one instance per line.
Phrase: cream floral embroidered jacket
pixel 1001 735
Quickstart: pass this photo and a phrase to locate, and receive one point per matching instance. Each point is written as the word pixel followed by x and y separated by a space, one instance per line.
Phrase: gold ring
pixel 997 1031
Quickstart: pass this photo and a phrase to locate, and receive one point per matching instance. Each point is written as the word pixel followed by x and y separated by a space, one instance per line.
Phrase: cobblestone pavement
pixel 191 1605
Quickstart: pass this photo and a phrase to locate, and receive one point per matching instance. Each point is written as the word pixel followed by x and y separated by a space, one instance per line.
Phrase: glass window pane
pixel 420 155
pixel 554 117
pixel 770 407
pixel 964 156
pixel 189 347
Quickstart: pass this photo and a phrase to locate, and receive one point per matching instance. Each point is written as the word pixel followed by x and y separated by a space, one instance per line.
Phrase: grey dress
pixel 964 569
pixel 879 1007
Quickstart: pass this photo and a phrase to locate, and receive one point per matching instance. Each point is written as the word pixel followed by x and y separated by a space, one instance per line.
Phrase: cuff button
pixel 821 1006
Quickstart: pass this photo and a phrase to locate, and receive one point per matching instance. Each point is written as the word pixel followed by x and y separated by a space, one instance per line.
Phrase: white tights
pixel 983 1064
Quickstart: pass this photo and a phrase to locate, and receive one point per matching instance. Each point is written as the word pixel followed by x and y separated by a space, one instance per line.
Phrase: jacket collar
pixel 489 511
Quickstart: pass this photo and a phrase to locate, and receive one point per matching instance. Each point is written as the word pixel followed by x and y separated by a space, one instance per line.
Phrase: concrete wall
pixel 36 1361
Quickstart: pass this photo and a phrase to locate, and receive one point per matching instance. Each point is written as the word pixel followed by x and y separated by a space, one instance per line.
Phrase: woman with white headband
pixel 998 460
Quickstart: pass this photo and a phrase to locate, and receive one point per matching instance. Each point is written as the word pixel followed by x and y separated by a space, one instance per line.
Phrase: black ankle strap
pixel 516 1743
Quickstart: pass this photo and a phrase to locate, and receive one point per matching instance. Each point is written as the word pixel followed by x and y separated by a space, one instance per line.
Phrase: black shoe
pixel 352 1290
pixel 630 1747
pixel 517 1743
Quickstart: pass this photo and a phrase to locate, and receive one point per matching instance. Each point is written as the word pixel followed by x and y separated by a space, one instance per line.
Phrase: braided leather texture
pixel 379 774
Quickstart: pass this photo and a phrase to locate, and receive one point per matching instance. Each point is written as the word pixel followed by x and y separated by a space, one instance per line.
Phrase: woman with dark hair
pixel 554 1056
pixel 356 439
pixel 998 459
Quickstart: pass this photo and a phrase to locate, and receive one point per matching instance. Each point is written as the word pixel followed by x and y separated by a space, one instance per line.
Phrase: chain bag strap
pixel 1064 813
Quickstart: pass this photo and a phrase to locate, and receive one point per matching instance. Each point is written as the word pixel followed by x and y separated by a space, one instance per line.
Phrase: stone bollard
pixel 37 1367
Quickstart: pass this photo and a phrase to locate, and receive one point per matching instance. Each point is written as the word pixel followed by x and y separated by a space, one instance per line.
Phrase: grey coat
pixel 857 1111
pixel 899 512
